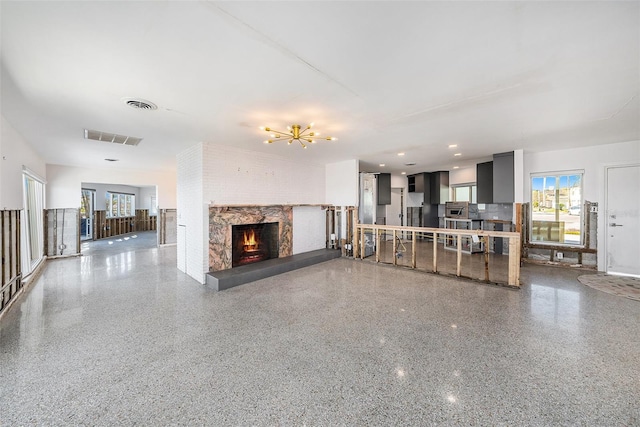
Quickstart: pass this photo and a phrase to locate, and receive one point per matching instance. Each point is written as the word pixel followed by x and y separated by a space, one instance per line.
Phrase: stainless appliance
pixel 461 210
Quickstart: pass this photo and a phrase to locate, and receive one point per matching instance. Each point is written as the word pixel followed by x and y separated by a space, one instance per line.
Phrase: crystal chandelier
pixel 295 133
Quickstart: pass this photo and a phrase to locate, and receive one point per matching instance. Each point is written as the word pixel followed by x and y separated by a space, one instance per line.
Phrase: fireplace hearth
pixel 254 242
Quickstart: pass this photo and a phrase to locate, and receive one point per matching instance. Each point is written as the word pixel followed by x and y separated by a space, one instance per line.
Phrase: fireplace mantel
pixel 222 217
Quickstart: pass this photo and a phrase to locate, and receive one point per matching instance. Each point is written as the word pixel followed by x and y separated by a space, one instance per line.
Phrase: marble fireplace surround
pixel 221 218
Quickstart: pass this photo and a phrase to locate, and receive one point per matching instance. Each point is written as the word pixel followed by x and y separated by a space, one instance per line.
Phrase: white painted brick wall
pixel 309 228
pixel 216 174
pixel 236 176
pixel 191 232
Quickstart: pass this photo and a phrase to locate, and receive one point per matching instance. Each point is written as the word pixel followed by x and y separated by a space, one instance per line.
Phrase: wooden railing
pixel 433 241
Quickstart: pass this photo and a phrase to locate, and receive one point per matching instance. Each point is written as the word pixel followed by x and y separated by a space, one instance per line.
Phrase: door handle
pixel 613 224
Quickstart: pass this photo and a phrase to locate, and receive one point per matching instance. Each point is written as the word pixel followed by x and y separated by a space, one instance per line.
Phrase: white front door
pixel 623 220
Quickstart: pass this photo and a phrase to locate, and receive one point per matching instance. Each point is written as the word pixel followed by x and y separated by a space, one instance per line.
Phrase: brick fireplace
pixel 222 220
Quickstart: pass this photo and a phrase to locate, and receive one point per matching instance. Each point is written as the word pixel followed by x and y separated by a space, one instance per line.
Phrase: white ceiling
pixel 383 77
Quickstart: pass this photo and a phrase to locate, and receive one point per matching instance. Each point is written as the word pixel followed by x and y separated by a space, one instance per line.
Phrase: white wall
pixel 192 248
pixel 146 193
pixel 216 174
pixel 237 176
pixel 399 181
pixel 64 183
pixel 593 161
pixel 309 228
pixel 465 175
pixel 342 181
pixel 16 152
pixel 518 179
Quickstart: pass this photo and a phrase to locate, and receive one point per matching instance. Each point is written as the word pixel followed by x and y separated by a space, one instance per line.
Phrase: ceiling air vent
pixel 140 104
pixel 111 137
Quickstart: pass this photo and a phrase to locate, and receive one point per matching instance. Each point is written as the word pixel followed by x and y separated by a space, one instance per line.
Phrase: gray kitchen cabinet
pixel 484 182
pixel 439 187
pixel 384 188
pixel 503 176
pixel 418 182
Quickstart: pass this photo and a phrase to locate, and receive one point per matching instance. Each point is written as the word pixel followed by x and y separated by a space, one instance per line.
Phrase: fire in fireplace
pixel 253 243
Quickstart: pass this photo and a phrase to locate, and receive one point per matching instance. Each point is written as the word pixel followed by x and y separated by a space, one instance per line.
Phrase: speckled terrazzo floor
pixel 125 338
pixel 627 287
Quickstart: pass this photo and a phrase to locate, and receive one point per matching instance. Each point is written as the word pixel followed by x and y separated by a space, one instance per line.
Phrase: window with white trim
pixel 120 204
pixel 556 208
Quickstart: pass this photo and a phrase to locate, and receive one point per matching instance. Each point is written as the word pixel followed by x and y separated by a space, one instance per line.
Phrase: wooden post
pixel 587 229
pixel 413 249
pixel 377 242
pixel 2 251
pixel 55 231
pixel 356 242
pixel 514 262
pixel 519 222
pixel 18 252
pixel 435 252
pixel 459 256
pixel 486 257
pixel 11 280
pixel 362 243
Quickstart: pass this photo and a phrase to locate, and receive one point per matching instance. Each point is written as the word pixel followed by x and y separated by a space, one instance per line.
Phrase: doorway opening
pixel 87 206
pixel 115 212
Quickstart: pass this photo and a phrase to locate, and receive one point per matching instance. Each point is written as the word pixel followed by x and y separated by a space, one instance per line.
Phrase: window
pixel 464 193
pixel 120 204
pixel 556 208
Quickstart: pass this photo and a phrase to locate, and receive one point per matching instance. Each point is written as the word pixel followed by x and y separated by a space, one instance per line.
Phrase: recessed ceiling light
pixel 403 173
pixel 456 167
pixel 381 165
pixel 400 154
pixel 111 160
pixel 453 145
pixel 458 154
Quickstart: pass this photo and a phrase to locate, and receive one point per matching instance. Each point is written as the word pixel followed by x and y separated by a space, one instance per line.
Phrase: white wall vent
pixel 140 104
pixel 111 137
